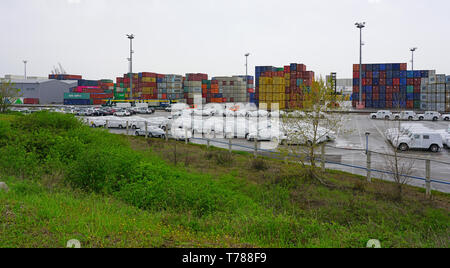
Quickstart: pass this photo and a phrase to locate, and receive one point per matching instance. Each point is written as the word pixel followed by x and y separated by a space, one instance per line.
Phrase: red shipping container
pixel 356 75
pixel 417 89
pixel 410 81
pixel 382 75
pixel 389 97
pixel 30 101
pixel 382 82
pixel 376 90
pixel 417 81
pixel 356 67
pixel 389 89
pixel 287 69
pixel 355 89
pixel 396 81
pixel 376 96
pixel 364 67
pixel 395 89
pixel 410 104
pixel 403 67
pixel 388 104
pixel 369 75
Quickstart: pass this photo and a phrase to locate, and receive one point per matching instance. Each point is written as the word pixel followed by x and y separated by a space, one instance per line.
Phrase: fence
pixel 367 166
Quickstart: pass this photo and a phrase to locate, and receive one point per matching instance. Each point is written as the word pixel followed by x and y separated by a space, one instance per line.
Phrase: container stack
pixel 147 86
pixel 232 89
pixel 295 79
pixel 193 87
pixel 447 94
pixel 64 77
pixel 210 92
pixel 272 89
pixel 75 98
pixel 388 86
pixel 174 87
pixel 433 96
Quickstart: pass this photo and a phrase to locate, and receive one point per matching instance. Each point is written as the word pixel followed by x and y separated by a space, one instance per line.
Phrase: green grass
pixel 71 182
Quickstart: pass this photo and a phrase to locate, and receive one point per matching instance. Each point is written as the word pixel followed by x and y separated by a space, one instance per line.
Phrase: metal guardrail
pixel 367 168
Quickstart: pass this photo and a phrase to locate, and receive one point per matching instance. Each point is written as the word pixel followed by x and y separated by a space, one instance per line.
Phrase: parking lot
pixel 349 149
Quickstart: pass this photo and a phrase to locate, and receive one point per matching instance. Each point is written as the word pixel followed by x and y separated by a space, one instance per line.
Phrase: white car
pixel 387 115
pixel 446 117
pixel 405 115
pixel 267 134
pixel 122 113
pixel 117 124
pixel 429 116
pixel 420 140
pixel 306 135
pixel 152 131
pixel 180 133
pixel 94 122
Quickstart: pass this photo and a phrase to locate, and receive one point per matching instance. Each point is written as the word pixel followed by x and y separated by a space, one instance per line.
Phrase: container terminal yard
pixel 214 124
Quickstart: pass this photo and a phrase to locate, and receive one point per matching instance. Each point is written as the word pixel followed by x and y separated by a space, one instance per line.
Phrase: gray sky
pixel 212 36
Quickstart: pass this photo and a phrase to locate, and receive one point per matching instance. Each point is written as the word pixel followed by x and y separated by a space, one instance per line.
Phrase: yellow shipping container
pixel 148 79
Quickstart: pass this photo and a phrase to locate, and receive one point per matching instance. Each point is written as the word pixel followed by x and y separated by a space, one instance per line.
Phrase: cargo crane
pixel 57 71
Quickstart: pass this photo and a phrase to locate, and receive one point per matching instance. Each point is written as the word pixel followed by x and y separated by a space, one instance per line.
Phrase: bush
pixel 224 158
pixel 259 164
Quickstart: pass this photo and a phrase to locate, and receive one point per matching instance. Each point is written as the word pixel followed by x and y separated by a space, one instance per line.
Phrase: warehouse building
pixel 42 91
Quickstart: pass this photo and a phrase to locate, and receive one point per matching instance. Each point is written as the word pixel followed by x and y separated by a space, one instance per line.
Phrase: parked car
pixel 446 117
pixel 122 113
pixel 84 112
pixel 387 115
pixel 429 116
pixel 152 131
pixel 97 123
pixel 267 134
pixel 419 140
pixel 117 124
pixel 405 115
pixel 180 133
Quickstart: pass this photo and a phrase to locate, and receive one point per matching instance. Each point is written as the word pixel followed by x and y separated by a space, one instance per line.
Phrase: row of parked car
pixel 108 111
pixel 413 136
pixel 410 116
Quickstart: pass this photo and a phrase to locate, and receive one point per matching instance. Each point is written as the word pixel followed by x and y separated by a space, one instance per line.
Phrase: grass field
pixel 68 181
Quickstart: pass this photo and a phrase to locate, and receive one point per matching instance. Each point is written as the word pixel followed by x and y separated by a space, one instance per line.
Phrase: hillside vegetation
pixel 68 181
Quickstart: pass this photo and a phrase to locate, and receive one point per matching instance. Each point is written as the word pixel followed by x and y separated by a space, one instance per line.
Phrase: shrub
pixel 259 164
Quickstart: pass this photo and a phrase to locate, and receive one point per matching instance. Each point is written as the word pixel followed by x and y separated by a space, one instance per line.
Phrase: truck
pixel 429 116
pixel 387 115
pixel 419 140
pixel 405 115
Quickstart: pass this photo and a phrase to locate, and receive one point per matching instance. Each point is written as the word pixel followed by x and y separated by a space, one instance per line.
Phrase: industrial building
pixel 41 90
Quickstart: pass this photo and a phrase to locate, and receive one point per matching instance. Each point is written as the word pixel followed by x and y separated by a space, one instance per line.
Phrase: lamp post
pixel 25 63
pixel 131 37
pixel 246 75
pixel 360 26
pixel 412 59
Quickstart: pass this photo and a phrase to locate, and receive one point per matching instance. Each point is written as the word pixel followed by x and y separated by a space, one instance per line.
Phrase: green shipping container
pixel 77 96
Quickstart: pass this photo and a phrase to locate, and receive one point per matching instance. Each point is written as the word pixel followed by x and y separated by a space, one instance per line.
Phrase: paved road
pixel 349 148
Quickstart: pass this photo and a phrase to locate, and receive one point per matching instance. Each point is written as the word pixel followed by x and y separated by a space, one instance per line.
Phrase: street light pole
pixel 360 26
pixel 131 37
pixel 25 63
pixel 246 75
pixel 412 60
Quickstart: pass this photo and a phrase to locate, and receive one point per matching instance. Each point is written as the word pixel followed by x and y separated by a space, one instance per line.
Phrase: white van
pixel 382 115
pixel 429 116
pixel 406 115
pixel 419 140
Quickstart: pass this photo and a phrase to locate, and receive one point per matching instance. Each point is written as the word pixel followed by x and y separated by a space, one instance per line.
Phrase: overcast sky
pixel 211 36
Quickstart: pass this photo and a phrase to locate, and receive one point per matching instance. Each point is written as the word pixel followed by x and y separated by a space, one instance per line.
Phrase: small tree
pixel 317 120
pixel 399 166
pixel 8 95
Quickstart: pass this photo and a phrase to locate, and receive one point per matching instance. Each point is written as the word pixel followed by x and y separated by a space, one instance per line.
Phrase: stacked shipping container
pixel 283 86
pixel 434 93
pixel 387 86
